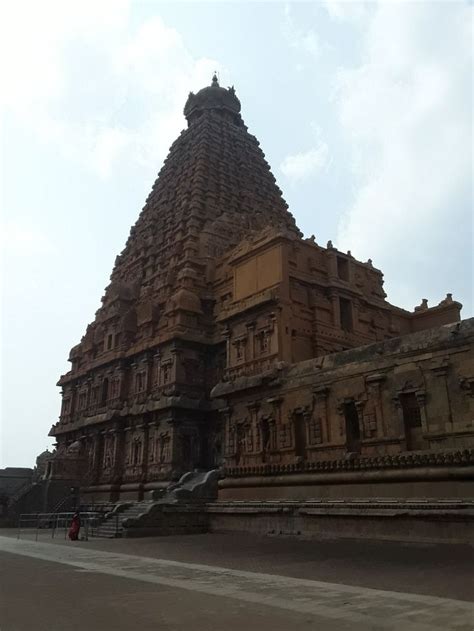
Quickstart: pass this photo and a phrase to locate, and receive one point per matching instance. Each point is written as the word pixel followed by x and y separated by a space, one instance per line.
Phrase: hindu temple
pixel 227 341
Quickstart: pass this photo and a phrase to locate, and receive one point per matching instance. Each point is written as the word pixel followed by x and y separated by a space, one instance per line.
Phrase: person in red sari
pixel 73 533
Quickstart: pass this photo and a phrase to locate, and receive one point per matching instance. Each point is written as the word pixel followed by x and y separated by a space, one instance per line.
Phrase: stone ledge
pixel 460 458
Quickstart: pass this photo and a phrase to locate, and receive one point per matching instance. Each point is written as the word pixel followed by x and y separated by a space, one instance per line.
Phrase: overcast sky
pixel 363 111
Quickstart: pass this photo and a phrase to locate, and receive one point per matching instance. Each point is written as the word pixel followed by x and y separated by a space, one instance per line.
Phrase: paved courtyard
pixel 227 582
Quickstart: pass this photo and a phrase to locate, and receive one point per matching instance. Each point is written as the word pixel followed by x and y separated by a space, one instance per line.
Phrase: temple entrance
pixel 412 421
pixel 352 427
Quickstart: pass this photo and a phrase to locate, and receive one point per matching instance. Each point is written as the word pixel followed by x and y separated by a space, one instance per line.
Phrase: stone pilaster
pixel 374 386
pixel 320 398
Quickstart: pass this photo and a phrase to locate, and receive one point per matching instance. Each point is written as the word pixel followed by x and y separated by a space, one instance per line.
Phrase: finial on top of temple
pixel 221 101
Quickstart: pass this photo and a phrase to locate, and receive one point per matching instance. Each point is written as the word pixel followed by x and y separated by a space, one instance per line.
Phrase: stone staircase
pixel 112 526
pixel 195 488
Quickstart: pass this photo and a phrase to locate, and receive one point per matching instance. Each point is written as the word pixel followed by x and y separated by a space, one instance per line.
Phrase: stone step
pixel 113 525
pixel 110 527
pixel 106 532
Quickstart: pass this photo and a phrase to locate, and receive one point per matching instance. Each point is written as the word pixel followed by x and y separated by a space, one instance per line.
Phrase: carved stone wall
pixel 413 394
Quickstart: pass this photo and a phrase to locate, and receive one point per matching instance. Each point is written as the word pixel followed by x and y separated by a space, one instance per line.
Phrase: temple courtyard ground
pixel 232 583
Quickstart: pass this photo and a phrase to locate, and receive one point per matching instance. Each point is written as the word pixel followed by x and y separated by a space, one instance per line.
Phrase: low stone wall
pixel 419 521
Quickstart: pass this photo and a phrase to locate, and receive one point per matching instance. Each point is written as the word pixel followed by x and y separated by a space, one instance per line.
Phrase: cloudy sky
pixel 363 111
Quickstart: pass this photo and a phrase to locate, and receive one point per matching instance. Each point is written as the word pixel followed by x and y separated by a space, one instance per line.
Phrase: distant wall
pixel 13 478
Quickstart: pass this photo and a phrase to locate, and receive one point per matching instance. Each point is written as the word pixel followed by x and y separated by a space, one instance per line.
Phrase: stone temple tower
pixel 215 283
pixel 137 393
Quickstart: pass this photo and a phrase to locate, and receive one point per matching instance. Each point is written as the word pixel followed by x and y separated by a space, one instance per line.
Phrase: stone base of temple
pixel 421 504
pixel 429 483
pixel 418 520
pixel 439 521
pixel 131 492
pixel 100 493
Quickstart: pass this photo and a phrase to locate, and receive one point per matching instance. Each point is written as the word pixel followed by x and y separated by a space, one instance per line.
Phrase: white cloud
pixel 305 164
pixel 109 143
pixel 302 165
pixel 406 113
pixel 305 39
pixel 351 10
pixel 83 78
pixel 23 239
pixel 33 36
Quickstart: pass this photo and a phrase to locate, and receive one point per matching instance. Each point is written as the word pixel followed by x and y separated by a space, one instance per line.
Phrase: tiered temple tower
pixel 215 284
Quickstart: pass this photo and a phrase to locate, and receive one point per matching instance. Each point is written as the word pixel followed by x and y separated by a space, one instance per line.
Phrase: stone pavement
pixel 211 596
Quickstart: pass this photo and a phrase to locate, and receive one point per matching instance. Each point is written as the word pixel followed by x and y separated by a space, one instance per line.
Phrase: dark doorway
pixel 412 421
pixel 265 434
pixel 186 452
pixel 105 392
pixel 239 439
pixel 352 427
pixel 300 438
pixel 205 453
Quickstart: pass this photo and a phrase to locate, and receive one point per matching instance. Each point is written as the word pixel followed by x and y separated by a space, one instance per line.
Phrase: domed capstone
pixel 213 97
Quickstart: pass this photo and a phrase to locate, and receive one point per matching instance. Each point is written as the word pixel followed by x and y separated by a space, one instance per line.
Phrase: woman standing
pixel 73 533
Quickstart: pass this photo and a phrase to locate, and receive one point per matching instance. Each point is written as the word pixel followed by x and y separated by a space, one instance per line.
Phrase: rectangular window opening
pixel 343 268
pixel 411 410
pixel 351 418
pixel 345 309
